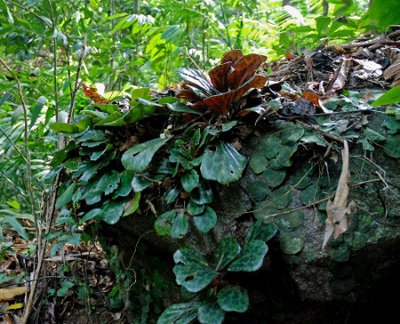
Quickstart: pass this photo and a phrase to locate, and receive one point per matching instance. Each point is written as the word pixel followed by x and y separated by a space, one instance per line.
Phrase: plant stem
pixel 30 191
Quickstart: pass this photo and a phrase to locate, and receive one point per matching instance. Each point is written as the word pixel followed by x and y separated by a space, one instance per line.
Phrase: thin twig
pixel 38 228
pixel 78 72
pixel 13 144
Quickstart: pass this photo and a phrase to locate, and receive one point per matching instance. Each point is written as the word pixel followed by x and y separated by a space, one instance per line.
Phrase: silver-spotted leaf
pixel 194 277
pixel 210 313
pixel 233 299
pixel 251 257
pixel 228 250
pixel 262 232
pixel 223 164
pixel 183 313
pixel 108 182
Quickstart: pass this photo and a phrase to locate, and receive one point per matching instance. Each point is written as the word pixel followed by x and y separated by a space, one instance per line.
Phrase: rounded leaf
pixel 251 257
pixel 233 299
pixel 205 221
pixel 210 313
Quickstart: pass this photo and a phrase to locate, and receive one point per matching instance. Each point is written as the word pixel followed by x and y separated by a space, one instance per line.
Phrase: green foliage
pixel 195 274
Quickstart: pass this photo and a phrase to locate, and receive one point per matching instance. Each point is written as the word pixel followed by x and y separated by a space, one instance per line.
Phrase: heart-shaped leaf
pixel 210 313
pixel 182 313
pixel 206 221
pixel 139 157
pixel 251 257
pixel 163 224
pixel 233 299
pixel 224 164
pixel 228 250
pixel 195 209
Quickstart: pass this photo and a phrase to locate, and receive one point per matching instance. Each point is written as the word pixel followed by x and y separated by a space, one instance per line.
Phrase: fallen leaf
pixel 311 96
pixel 93 94
pixel 15 306
pixel 11 293
pixel 337 221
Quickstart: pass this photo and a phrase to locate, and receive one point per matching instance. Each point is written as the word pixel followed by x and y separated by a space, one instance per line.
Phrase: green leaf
pixel 224 164
pixel 261 231
pixel 108 182
pixel 233 299
pixel 228 250
pixel 258 162
pixel 112 211
pixel 16 225
pixel 171 195
pixel 36 109
pixel 66 196
pixel 140 183
pixel 210 313
pixel 388 98
pixel 92 135
pixel 202 196
pixel 373 135
pixel 91 214
pixel 392 146
pixel 181 108
pixel 257 190
pixel 163 224
pixel 180 226
pixel 64 128
pixel 274 178
pixel 132 205
pixel 195 209
pixel 291 243
pixel 251 257
pixel 183 313
pixel 194 277
pixel 98 154
pixel 139 157
pixel 188 256
pixel 125 186
pixel 206 221
pixel 189 180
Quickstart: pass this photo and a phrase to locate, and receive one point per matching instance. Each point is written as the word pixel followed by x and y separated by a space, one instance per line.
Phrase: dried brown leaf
pixel 244 69
pixel 337 222
pixel 93 94
pixel 11 293
pixel 231 56
pixel 219 75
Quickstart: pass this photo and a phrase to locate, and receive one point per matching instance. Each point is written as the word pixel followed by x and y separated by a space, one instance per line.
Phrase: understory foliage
pixel 131 148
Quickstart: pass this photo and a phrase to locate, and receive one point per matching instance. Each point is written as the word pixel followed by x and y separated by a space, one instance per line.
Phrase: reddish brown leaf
pixel 244 69
pixel 187 94
pixel 231 56
pixel 311 96
pixel 221 103
pixel 219 76
pixel 289 56
pixel 257 81
pixel 92 93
